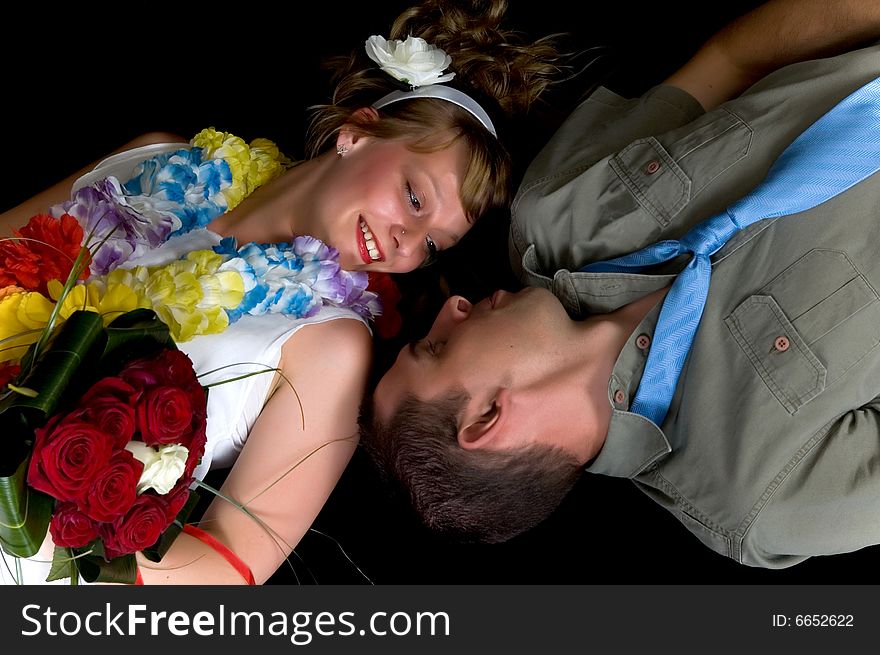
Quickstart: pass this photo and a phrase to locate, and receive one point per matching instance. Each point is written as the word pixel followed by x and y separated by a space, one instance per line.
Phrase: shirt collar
pixel 633 443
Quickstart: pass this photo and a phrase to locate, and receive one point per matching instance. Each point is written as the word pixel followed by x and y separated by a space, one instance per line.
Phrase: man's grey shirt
pixel 770 452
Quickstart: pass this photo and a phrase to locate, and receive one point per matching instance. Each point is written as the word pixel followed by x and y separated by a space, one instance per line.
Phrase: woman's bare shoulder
pixel 332 345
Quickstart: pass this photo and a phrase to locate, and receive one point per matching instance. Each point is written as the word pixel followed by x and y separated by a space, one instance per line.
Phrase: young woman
pixel 402 162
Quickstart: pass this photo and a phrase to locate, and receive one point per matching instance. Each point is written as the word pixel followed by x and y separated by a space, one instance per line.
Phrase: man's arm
pixel 776 34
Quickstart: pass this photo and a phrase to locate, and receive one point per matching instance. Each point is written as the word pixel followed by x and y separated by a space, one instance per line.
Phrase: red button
pixel 781 344
pixel 652 167
pixel 643 341
pixel 619 396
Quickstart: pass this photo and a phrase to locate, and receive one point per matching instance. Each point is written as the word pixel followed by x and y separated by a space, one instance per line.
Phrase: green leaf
pixel 89 563
pixel 95 568
pixel 24 514
pixel 63 565
pixel 137 333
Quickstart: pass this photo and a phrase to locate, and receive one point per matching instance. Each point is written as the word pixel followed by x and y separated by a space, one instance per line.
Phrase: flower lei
pixel 201 293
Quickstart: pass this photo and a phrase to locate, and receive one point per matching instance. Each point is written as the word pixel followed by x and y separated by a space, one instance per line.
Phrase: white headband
pixel 447 93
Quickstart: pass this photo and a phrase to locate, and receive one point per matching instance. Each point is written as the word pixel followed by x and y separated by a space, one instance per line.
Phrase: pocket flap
pixel 778 352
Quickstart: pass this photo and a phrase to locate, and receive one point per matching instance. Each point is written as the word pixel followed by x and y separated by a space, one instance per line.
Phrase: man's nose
pixel 454 311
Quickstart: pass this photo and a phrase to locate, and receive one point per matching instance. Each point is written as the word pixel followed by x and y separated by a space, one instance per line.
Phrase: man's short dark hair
pixel 470 495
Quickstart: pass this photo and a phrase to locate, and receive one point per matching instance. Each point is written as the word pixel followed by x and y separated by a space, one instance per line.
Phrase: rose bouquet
pixel 109 470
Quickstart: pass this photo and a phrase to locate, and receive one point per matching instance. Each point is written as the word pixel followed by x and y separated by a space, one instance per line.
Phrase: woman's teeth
pixel 371 243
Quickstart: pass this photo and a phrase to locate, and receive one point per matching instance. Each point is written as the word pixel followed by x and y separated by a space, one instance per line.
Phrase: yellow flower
pixel 190 295
pixel 232 149
pixel 110 300
pixel 251 165
pixel 22 318
pixel 268 162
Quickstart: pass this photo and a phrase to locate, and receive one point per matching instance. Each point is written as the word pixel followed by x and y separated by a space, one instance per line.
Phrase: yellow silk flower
pixel 251 165
pixel 23 315
pixel 108 300
pixel 190 295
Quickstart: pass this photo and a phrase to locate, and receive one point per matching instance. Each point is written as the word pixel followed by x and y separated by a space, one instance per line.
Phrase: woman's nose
pixel 405 239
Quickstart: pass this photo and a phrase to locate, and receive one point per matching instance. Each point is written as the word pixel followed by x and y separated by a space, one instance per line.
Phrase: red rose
pixel 109 388
pixel 140 528
pixel 196 448
pixel 67 455
pixel 114 490
pixel 170 367
pixel 108 405
pixel 165 415
pixel 176 498
pixel 70 528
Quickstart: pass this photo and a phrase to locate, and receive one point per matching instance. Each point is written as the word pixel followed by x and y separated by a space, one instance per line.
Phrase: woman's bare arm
pixel 284 474
pixel 19 215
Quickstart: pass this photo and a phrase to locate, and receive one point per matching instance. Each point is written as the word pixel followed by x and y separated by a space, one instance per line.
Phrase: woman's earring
pixel 341 150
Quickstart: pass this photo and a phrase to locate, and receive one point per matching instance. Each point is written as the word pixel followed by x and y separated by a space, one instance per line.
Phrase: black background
pixel 80 83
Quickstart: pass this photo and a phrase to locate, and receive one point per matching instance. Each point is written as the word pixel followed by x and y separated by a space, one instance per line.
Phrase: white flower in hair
pixel 414 61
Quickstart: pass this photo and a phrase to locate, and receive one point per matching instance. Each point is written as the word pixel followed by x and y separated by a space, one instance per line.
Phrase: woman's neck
pixel 271 213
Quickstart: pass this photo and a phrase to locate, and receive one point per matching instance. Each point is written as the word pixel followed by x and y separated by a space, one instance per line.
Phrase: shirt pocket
pixel 808 326
pixel 665 173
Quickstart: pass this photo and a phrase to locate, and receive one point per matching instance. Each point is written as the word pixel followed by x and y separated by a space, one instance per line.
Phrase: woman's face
pixel 387 208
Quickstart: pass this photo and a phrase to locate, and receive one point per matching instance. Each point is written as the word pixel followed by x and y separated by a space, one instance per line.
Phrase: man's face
pixel 504 352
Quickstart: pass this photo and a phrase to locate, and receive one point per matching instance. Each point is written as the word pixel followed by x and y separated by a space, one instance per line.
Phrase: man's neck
pixel 602 338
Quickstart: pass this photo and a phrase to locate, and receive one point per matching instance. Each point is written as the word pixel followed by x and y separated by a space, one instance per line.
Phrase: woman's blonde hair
pixel 499 68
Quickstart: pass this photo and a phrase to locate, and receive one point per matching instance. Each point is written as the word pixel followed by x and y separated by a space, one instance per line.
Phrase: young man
pixel 768 450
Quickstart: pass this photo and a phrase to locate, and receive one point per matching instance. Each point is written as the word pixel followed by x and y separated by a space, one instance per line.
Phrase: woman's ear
pixel 348 134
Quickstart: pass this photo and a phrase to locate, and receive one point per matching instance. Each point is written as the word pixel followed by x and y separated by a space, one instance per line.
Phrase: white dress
pixel 253 343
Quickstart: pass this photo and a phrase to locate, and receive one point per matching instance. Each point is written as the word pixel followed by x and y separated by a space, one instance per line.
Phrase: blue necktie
pixel 836 152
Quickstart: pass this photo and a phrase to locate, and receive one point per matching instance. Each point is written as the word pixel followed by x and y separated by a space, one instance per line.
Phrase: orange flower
pixel 19 265
pixel 42 250
pixel 57 242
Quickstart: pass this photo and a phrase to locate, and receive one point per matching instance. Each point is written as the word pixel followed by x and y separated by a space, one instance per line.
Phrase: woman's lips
pixel 363 248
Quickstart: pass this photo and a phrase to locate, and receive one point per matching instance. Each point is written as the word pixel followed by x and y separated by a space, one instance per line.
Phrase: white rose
pixel 162 467
pixel 413 61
